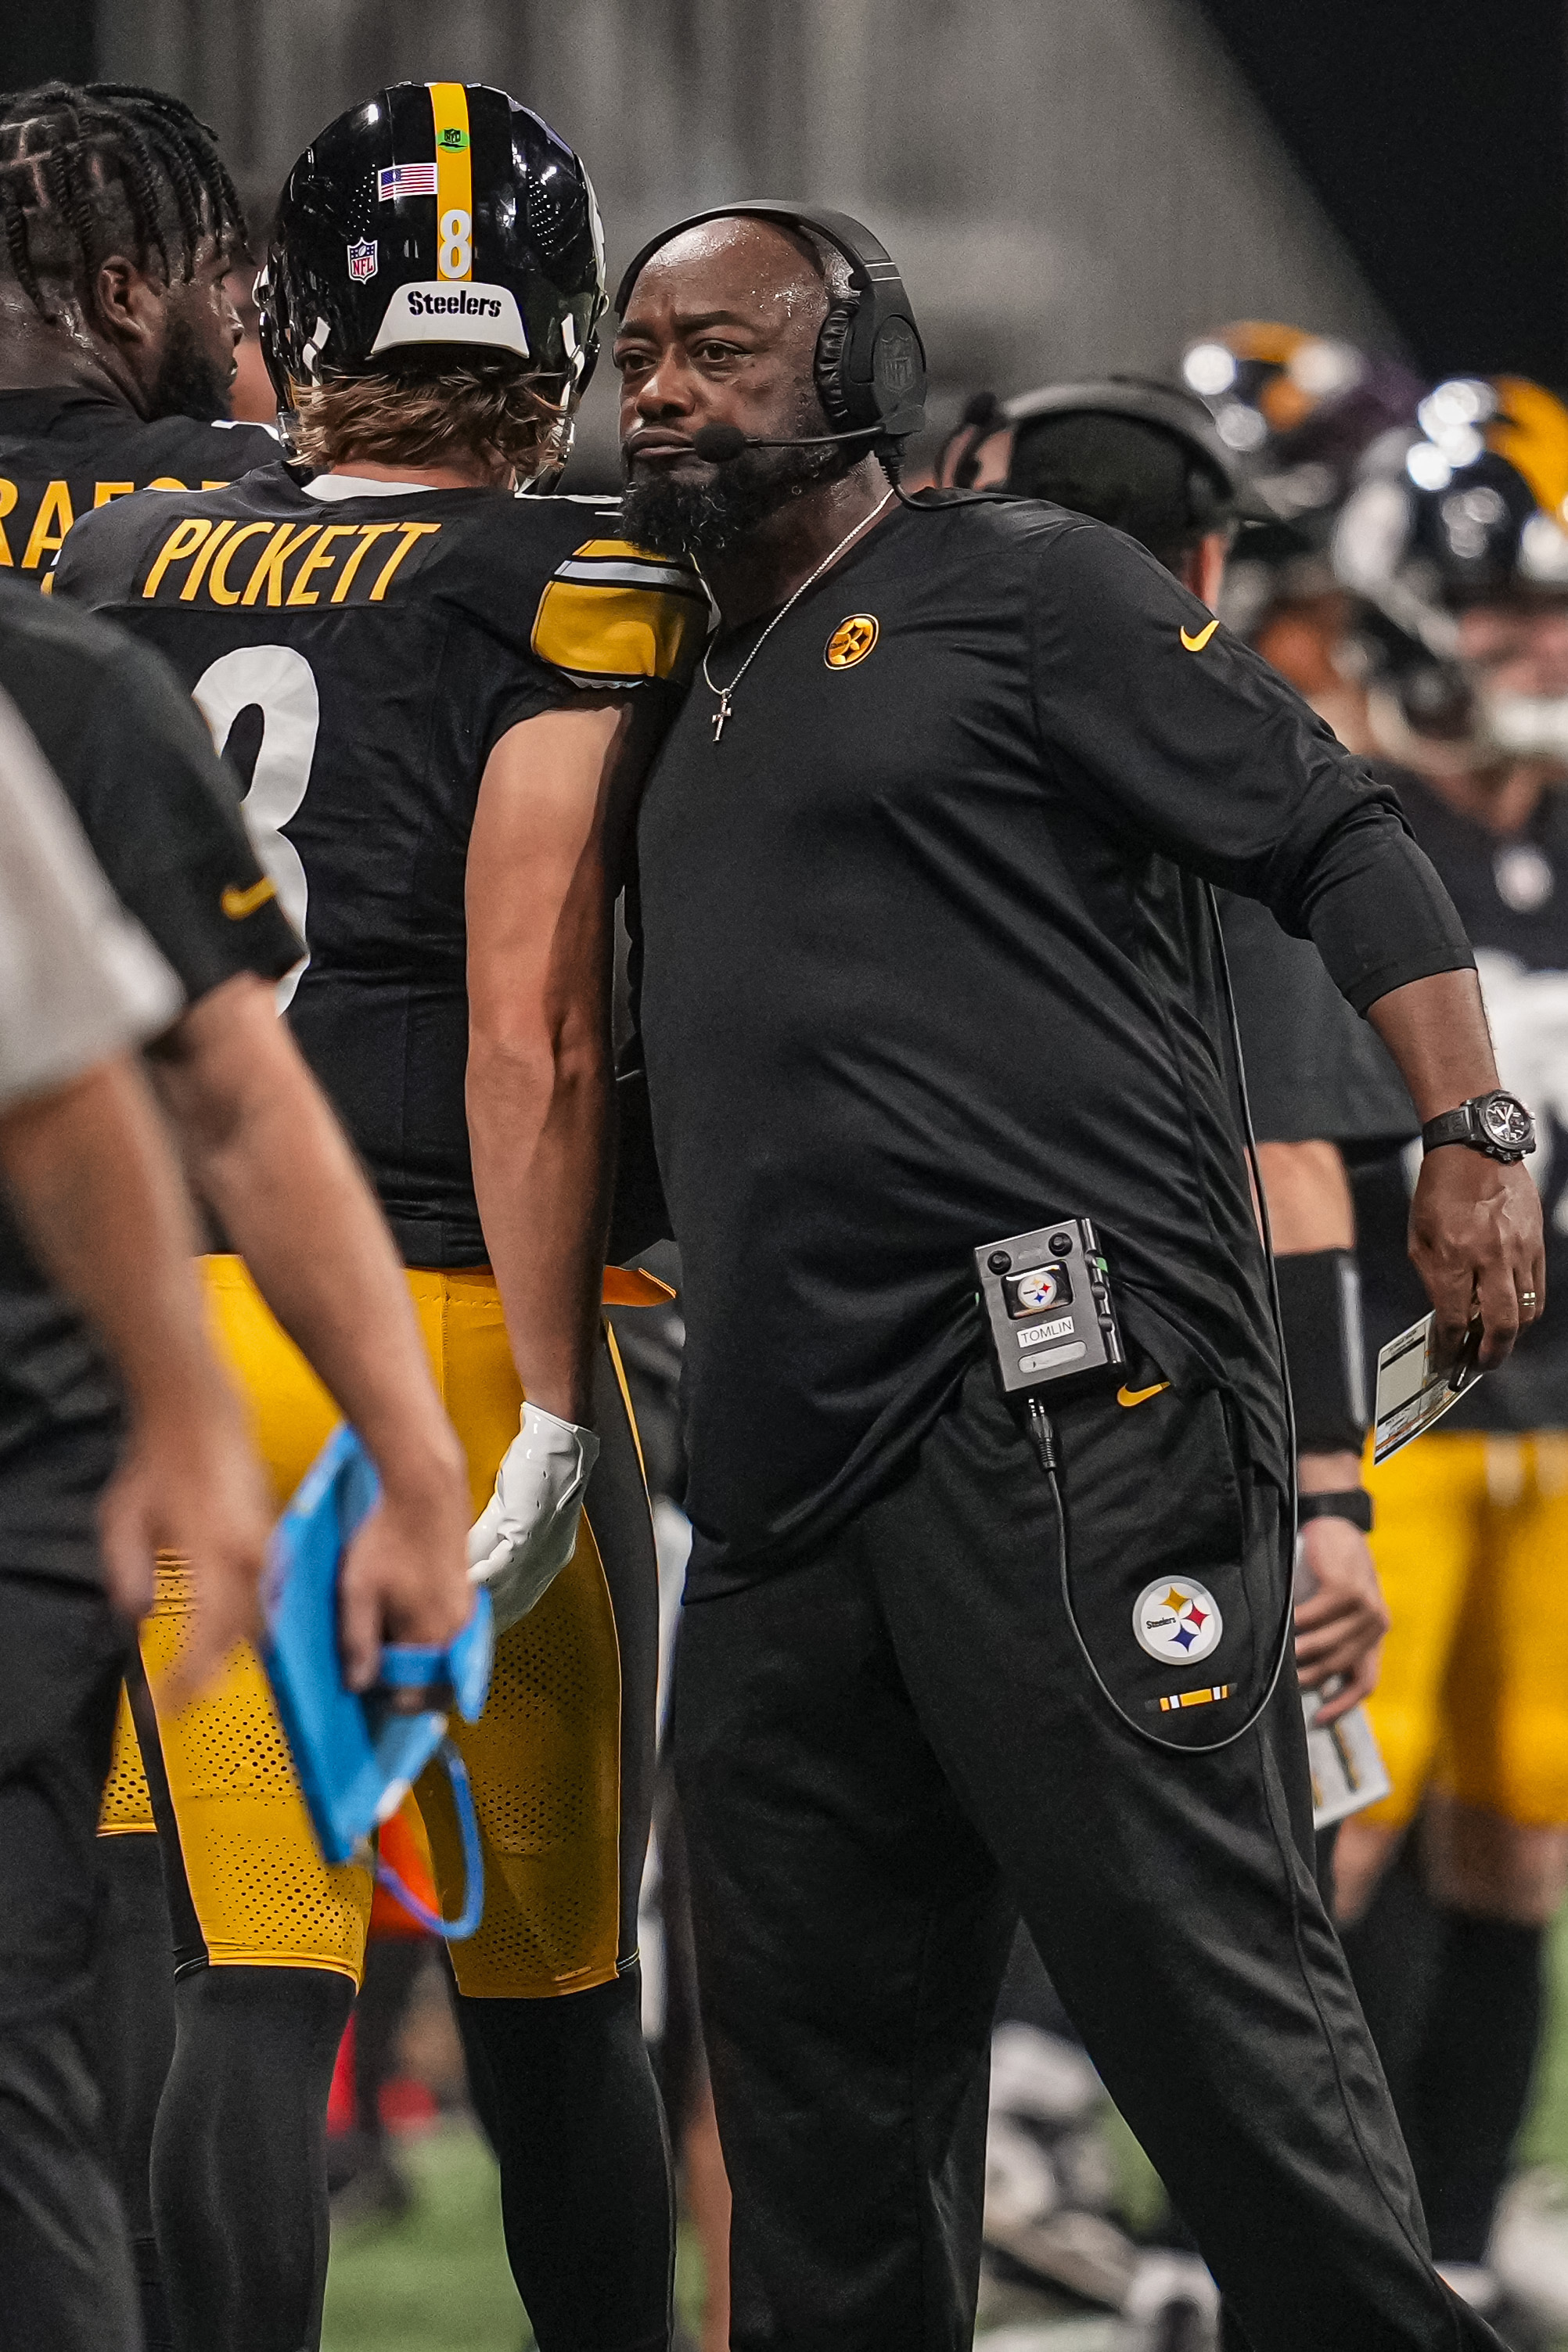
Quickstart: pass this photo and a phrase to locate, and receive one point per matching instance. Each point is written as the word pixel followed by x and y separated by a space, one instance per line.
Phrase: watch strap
pixel 1352 1503
pixel 1450 1127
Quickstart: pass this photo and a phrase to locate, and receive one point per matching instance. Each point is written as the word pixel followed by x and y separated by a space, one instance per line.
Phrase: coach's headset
pixel 871 363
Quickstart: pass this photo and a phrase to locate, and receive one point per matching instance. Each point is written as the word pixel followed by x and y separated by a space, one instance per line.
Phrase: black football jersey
pixel 64 452
pixel 1511 891
pixel 358 658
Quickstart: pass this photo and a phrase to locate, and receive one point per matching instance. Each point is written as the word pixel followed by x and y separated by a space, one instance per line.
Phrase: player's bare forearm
pixel 263 1148
pixel 97 1188
pixel 1475 1222
pixel 1308 1196
pixel 538 1130
pixel 539 1102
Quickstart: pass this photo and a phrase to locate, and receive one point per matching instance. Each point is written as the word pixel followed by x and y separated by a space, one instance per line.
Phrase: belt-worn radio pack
pixel 1049 1306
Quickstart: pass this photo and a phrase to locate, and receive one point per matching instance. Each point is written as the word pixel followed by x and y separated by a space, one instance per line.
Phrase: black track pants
pixel 881 1752
pixel 66 2279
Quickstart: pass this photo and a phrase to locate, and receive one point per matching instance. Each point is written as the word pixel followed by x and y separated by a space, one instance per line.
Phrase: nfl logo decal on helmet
pixel 362 259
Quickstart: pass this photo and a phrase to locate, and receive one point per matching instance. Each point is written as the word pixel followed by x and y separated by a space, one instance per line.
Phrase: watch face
pixel 1506 1122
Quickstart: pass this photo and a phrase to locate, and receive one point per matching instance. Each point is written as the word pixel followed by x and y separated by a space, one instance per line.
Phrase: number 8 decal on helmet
pixel 278 682
pixel 456 243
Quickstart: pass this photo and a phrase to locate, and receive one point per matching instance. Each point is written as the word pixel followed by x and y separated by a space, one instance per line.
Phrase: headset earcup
pixel 828 364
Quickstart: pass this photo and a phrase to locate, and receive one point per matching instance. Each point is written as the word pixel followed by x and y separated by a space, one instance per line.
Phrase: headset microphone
pixel 720 445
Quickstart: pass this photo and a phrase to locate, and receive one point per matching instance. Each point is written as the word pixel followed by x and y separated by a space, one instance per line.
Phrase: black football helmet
pixel 438 213
pixel 1471 506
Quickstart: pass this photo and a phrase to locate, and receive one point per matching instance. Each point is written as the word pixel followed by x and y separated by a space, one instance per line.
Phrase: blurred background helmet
pixel 1472 508
pixel 1299 411
pixel 436 216
pixel 1469 509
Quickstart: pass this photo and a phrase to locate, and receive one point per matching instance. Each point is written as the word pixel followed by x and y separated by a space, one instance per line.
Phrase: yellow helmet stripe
pixel 454 181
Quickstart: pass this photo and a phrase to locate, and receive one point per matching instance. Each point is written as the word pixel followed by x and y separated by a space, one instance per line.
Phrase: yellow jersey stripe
pixel 454 178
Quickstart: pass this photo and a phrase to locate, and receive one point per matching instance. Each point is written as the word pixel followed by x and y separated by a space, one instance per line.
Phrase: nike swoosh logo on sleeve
pixel 1140 1396
pixel 238 903
pixel 1195 644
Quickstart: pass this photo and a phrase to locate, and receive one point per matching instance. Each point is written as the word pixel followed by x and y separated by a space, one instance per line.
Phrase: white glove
pixel 528 1531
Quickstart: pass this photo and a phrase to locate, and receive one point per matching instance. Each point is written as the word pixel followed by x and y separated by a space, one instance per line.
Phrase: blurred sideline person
pixel 1145 458
pixel 442 693
pixel 1455 538
pixel 997 745
pixel 117 333
pixel 267 1157
pixel 87 1170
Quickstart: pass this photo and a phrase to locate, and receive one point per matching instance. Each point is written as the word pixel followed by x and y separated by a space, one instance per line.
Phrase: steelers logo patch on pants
pixel 1177 1620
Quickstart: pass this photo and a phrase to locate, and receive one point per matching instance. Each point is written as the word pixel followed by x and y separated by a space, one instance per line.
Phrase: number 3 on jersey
pixel 276 681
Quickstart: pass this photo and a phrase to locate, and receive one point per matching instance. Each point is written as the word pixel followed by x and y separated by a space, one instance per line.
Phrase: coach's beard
pixel 669 517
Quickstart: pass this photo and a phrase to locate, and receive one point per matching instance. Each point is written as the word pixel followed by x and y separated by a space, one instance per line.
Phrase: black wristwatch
pixel 1351 1503
pixel 1497 1124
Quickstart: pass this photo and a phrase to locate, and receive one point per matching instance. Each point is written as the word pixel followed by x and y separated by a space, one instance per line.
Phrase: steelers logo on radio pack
pixel 1177 1621
pixel 851 641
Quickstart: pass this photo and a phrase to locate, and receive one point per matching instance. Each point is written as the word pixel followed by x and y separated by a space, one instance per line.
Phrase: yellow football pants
pixel 544 1758
pixel 1471 1541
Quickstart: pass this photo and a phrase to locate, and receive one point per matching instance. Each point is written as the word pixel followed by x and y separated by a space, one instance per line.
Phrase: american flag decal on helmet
pixel 405 180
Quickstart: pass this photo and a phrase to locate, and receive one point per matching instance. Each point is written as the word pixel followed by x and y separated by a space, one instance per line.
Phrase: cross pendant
pixel 720 715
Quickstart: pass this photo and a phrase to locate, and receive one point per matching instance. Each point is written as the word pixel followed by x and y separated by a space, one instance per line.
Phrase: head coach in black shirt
pixel 925 965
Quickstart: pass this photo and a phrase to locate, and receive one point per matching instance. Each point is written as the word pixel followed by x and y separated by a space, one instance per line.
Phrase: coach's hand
pixel 1475 1240
pixel 405 1576
pixel 528 1531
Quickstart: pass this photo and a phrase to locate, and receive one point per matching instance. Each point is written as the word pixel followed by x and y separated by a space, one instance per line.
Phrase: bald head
pixel 759 273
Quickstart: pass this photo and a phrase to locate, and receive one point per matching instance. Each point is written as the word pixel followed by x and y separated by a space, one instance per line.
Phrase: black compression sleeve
pixel 566 2092
pixel 239 2168
pixel 1379 915
pixel 1320 1309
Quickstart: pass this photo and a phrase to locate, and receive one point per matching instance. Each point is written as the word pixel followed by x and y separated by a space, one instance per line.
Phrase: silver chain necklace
pixel 726 693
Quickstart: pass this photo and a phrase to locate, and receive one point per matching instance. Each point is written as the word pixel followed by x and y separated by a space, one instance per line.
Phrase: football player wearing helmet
pixel 117 335
pixel 1455 538
pixel 439 695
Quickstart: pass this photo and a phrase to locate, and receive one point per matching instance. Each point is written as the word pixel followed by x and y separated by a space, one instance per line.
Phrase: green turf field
pixel 438 2282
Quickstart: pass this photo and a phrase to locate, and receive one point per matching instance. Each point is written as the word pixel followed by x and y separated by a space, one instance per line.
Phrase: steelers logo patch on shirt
pixel 1177 1621
pixel 851 641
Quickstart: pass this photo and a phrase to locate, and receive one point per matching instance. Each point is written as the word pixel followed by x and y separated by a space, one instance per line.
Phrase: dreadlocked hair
pixel 86 171
pixel 430 408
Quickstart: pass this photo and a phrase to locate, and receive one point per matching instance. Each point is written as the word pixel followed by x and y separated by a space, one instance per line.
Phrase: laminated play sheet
pixel 1415 1388
pixel 1348 1770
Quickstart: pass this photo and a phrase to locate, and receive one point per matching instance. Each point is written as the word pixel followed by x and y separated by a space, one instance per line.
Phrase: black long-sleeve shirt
pixel 925 961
